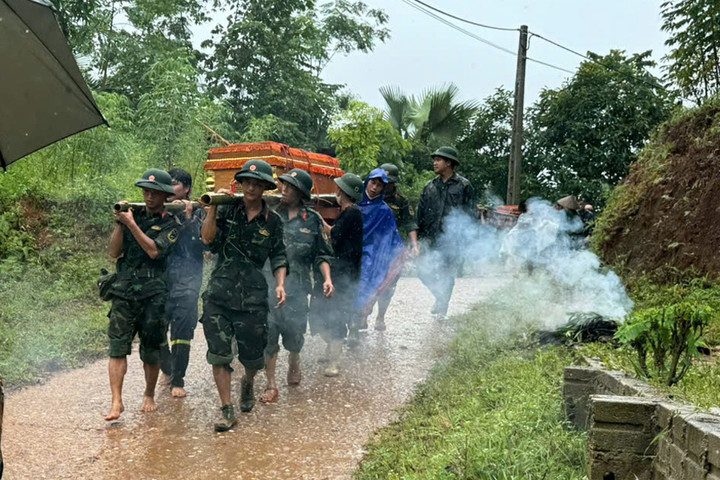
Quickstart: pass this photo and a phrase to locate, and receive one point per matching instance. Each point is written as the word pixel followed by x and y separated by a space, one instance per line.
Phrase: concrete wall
pixel 633 433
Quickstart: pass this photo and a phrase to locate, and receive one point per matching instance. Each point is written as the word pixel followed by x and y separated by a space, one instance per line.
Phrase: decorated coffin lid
pixel 276 154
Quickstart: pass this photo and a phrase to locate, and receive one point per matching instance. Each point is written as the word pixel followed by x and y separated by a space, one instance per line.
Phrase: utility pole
pixel 515 165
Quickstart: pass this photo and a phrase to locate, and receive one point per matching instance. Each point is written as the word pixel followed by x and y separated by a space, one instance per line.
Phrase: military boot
pixel 247 395
pixel 227 419
pixel 335 350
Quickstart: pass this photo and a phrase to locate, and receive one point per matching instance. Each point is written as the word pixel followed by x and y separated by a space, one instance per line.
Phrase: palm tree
pixel 436 117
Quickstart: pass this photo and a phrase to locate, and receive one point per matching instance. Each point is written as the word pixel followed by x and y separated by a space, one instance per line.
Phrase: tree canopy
pixel 581 138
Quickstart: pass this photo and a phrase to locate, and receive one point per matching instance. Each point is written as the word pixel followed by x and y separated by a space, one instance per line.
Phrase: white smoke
pixel 544 253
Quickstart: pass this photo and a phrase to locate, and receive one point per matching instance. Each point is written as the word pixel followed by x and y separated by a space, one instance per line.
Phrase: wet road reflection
pixel 315 431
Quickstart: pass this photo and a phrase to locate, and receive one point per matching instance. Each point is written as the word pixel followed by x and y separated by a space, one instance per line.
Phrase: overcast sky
pixel 422 52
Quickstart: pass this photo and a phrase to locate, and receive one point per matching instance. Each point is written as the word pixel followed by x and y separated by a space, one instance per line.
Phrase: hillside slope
pixel 665 216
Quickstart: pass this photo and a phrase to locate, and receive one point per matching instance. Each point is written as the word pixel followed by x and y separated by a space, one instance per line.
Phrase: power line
pixel 655 84
pixel 476 37
pixel 458 28
pixel 465 20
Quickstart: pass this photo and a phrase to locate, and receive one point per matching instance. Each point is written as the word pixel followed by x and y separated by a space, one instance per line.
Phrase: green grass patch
pixel 699 386
pixel 493 410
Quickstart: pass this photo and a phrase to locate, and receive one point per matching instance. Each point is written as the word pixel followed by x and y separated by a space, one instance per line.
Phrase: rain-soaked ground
pixel 315 431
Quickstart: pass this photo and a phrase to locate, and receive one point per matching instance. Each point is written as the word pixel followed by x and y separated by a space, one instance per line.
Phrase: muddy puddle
pixel 316 431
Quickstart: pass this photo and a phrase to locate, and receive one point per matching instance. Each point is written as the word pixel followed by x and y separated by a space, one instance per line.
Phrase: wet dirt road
pixel 315 431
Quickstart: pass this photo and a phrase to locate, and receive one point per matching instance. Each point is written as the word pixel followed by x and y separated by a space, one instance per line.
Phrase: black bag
pixel 105 283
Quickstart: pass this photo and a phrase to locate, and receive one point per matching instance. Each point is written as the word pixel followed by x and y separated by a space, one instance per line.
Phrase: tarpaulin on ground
pixel 43 96
pixel 381 242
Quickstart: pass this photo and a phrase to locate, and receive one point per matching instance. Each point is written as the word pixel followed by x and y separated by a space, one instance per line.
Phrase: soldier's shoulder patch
pixel 264 232
pixel 305 230
pixel 156 228
pixel 172 235
pixel 395 207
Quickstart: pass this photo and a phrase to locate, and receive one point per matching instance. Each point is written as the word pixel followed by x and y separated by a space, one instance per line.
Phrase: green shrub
pixel 670 335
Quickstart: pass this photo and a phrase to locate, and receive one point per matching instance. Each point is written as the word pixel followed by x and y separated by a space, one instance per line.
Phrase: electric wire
pixel 458 28
pixel 450 24
pixel 465 20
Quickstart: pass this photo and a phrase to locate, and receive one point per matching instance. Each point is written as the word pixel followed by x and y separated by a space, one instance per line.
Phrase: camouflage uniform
pixel 306 249
pixel 184 274
pixel 438 199
pixel 236 300
pixel 140 291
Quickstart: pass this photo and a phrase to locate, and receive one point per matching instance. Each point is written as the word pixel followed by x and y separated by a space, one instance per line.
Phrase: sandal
pixel 270 396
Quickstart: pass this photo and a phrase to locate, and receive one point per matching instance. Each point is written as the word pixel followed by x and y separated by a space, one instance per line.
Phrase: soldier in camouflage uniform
pixel 306 249
pixel 141 242
pixel 184 275
pixel 244 234
pixel 407 228
pixel 440 196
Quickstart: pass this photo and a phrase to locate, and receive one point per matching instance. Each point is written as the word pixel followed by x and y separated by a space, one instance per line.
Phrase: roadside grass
pixel 699 386
pixel 50 322
pixel 492 410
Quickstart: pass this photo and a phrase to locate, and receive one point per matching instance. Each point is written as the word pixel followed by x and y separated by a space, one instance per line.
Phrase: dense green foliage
pixel 492 410
pixel 363 139
pixel 693 63
pixel 485 146
pixel 268 58
pixel 670 335
pixel 582 138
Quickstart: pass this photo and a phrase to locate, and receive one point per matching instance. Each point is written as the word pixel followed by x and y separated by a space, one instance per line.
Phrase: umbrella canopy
pixel 43 96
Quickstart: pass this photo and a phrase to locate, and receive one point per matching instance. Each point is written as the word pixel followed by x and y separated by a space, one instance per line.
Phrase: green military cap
pixel 392 171
pixel 258 169
pixel 156 179
pixel 351 184
pixel 448 153
pixel 299 179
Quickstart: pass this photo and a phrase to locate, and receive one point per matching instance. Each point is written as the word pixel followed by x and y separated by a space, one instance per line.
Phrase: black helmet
pixel 447 153
pixel 392 171
pixel 299 179
pixel 258 169
pixel 156 179
pixel 351 184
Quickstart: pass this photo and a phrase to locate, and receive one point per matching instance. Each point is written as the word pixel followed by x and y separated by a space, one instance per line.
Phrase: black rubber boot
pixel 247 395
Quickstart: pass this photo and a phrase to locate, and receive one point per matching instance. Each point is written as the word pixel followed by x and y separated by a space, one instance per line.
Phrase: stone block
pixel 580 374
pixel 699 426
pixel 665 413
pixel 603 465
pixel 623 410
pixel 693 471
pixel 621 440
pixel 676 458
pixel 678 431
pixel 714 449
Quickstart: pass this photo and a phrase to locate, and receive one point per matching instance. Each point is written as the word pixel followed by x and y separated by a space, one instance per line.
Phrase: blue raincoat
pixel 381 241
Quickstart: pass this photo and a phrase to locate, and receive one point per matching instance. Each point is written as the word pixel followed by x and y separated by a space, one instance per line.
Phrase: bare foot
pixel 115 411
pixel 148 404
pixel 178 392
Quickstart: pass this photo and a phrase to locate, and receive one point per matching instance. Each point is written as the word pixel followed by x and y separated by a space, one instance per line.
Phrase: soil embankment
pixel 663 217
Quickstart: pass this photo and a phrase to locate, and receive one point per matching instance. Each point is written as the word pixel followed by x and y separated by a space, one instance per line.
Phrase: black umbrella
pixel 43 97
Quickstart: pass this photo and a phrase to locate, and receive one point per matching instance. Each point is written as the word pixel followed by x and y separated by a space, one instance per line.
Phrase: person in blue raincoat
pixel 381 241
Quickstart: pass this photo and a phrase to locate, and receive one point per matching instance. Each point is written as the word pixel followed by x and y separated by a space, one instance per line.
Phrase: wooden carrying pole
pixel 515 165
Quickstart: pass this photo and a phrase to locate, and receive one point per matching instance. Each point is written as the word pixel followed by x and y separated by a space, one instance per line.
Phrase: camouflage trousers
pixel 144 317
pixel 290 321
pixel 249 328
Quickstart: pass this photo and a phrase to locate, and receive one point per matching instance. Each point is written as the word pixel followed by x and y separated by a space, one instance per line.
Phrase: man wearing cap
pixel 184 275
pixel 141 242
pixel 440 196
pixel 244 234
pixel 406 226
pixel 306 249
